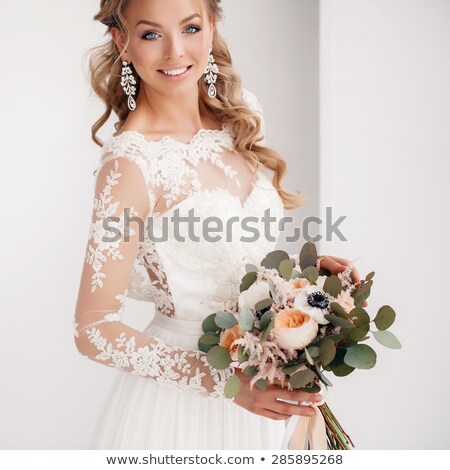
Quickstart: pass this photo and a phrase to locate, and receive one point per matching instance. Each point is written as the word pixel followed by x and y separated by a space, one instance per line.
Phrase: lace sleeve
pixel 120 208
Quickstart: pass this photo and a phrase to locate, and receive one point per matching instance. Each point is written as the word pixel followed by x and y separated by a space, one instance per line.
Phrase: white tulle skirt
pixel 142 414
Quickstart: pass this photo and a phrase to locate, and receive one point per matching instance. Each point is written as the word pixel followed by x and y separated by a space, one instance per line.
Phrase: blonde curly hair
pixel 228 107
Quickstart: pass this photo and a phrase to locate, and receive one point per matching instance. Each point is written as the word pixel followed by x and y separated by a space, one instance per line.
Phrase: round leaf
pixel 274 258
pixel 207 341
pixel 265 319
pixel 262 304
pixel 311 273
pixel 360 356
pixel 219 357
pixel 308 255
pixel 301 378
pixel 285 268
pixel 388 339
pixel 250 268
pixel 247 281
pixel 209 324
pixel 332 285
pixel 232 386
pixel 385 317
pixel 225 320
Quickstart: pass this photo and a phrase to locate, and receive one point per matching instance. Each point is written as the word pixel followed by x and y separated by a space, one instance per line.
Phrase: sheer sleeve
pixel 120 208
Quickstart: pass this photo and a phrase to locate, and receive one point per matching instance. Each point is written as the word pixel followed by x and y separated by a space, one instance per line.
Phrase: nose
pixel 173 47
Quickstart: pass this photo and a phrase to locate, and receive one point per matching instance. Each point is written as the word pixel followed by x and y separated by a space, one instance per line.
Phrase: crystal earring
pixel 211 72
pixel 127 83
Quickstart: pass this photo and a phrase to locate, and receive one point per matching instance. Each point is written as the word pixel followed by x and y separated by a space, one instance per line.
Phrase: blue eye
pixel 194 29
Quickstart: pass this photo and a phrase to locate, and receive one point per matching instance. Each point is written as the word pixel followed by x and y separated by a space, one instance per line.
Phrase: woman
pixel 189 141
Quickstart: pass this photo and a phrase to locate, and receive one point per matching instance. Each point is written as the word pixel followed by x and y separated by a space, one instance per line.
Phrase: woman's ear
pixel 119 39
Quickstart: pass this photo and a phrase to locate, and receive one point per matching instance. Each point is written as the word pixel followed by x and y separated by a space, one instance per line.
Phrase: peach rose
pixel 294 329
pixel 226 339
pixel 299 282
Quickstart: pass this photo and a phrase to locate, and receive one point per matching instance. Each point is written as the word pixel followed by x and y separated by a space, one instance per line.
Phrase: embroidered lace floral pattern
pixel 151 178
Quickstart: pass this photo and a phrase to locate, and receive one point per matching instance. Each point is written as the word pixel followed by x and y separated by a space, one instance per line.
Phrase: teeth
pixel 175 72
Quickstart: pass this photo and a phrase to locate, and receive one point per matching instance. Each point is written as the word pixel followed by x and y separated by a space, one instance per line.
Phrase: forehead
pixel 162 11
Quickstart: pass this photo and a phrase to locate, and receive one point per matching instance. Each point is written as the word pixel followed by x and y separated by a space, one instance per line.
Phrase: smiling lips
pixel 175 72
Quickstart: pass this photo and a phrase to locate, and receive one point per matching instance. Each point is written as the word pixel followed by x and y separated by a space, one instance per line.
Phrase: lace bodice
pixel 187 271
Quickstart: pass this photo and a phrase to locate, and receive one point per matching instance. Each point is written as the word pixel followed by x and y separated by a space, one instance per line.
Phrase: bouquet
pixel 291 322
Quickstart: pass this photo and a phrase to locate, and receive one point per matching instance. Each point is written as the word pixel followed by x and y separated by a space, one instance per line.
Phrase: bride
pixel 189 141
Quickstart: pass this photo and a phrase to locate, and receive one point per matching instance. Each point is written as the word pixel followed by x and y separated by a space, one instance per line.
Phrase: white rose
pixel 258 291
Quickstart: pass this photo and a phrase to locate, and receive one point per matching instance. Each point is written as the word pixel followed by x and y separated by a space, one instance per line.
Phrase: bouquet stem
pixel 337 438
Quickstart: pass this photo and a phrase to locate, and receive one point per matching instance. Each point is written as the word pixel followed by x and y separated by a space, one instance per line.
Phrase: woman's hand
pixel 336 265
pixel 265 403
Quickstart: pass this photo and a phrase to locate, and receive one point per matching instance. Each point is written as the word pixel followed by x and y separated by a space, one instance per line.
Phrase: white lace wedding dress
pixel 166 395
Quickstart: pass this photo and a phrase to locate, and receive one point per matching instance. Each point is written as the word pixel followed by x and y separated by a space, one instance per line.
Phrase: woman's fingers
pixel 335 265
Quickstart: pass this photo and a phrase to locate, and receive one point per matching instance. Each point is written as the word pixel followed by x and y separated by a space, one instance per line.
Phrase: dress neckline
pixel 224 130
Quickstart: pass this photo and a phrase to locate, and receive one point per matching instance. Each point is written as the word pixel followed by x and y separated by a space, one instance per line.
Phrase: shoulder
pixel 251 100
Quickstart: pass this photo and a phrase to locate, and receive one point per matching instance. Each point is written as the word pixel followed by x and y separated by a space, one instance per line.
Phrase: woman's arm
pixel 100 334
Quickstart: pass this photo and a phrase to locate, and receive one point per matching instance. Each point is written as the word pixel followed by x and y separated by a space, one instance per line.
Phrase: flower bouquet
pixel 293 321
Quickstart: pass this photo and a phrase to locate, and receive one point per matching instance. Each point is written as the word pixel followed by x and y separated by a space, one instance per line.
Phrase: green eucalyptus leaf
pixel 342 370
pixel 261 384
pixel 274 258
pixel 322 377
pixel 359 316
pixel 285 268
pixel 207 341
pixel 370 276
pixel 246 318
pixel 225 320
pixel 385 317
pixel 219 357
pixel 388 339
pixel 314 388
pixel 295 274
pixel 308 357
pixel 251 371
pixel 314 351
pixel 247 281
pixel 360 356
pixel 232 386
pixel 327 351
pixel 242 355
pixel 337 321
pixel 262 304
pixel 301 378
pixel 339 310
pixel 363 288
pixel 209 324
pixel 290 370
pixel 311 273
pixel 265 319
pixel 332 285
pixel 308 255
pixel 267 330
pixel 250 268
pixel 356 334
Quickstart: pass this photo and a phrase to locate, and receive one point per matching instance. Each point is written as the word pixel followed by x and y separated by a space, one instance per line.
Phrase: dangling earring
pixel 211 72
pixel 127 83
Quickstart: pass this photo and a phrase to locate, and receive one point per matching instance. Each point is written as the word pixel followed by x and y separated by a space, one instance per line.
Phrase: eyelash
pixel 153 32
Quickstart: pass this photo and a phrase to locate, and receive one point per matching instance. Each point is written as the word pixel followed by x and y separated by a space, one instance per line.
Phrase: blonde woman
pixel 189 141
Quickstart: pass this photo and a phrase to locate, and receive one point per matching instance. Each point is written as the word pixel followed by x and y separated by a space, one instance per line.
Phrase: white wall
pixel 384 146
pixel 50 396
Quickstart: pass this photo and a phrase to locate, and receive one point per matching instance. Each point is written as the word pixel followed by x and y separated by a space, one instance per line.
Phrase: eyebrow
pixel 151 23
